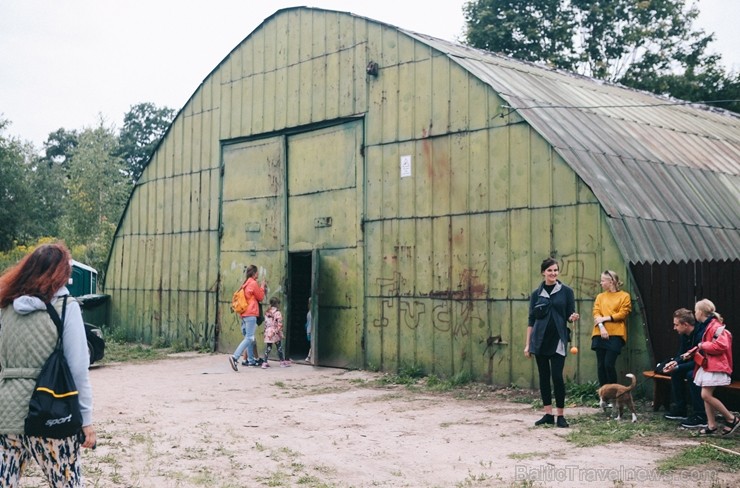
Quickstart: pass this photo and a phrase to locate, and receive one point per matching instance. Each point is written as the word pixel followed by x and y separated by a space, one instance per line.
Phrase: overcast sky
pixel 64 63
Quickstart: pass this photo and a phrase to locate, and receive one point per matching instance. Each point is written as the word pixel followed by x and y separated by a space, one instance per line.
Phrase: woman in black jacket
pixel 550 306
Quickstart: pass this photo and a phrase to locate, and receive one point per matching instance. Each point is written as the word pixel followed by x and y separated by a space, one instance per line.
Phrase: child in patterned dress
pixel 274 333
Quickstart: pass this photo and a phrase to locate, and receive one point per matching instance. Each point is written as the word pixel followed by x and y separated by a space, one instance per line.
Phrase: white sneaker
pixel 265 365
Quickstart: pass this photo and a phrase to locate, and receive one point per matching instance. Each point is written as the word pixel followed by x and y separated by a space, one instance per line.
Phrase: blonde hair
pixel 709 309
pixel 614 277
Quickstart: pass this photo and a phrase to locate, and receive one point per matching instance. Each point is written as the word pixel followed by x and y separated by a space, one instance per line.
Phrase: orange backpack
pixel 239 301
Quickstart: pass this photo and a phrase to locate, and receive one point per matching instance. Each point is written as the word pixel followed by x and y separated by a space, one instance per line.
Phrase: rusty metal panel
pixel 599 129
pixel 519 171
pixel 498 161
pixel 426 268
pixel 440 96
pixel 251 219
pixel 324 182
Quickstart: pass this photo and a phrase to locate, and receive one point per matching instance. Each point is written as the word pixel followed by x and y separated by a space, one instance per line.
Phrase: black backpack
pixel 54 409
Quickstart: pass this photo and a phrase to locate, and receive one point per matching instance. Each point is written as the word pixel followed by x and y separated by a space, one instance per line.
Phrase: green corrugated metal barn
pixel 412 186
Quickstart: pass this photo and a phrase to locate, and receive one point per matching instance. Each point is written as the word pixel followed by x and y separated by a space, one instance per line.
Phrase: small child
pixel 274 333
pixel 308 330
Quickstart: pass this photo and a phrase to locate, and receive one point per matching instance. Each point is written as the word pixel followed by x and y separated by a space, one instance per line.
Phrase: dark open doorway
pixel 299 271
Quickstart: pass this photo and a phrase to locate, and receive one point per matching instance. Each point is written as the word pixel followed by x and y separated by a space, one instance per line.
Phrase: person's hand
pixel 599 320
pixel 574 316
pixel 690 353
pixel 604 333
pixel 91 439
pixel 526 351
pixel 670 366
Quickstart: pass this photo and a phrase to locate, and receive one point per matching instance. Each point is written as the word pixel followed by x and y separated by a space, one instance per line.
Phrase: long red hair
pixel 40 273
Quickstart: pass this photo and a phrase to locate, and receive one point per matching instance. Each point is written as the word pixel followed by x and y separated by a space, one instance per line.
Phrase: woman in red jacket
pixel 713 356
pixel 255 293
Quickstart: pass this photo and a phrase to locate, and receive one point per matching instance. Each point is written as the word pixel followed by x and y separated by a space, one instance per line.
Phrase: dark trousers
pixel 606 366
pixel 268 349
pixel 551 367
pixel 681 378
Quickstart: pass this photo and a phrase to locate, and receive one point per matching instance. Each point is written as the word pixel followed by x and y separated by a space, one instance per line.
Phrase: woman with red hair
pixel 27 338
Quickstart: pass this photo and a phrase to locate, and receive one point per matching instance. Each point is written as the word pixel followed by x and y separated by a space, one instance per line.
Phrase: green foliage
pixel 527 30
pixel 97 190
pixel 650 45
pixel 12 256
pixel 77 189
pixel 143 127
pixel 412 375
pixel 582 394
pixel 17 196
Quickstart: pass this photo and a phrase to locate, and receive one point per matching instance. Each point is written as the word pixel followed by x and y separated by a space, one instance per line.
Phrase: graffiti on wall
pixel 412 312
pixel 573 272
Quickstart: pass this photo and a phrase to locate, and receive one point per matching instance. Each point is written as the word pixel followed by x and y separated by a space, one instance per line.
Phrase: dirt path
pixel 191 421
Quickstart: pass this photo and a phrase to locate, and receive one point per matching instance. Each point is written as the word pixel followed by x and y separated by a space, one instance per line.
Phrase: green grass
pixel 582 394
pixel 413 376
pixel 597 429
pixel 118 351
pixel 704 454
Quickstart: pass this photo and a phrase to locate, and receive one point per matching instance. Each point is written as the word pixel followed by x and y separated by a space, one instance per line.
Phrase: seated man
pixel 682 372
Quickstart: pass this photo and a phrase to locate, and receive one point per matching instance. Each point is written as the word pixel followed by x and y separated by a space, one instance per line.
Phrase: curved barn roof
pixel 666 172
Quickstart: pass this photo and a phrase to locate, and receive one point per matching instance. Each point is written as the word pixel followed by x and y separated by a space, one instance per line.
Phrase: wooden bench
pixel 729 394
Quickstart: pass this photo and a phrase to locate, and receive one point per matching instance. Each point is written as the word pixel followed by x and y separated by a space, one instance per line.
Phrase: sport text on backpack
pixel 239 302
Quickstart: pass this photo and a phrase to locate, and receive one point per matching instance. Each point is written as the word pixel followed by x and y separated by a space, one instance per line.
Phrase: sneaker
pixel 245 363
pixel 546 419
pixel 694 422
pixel 284 364
pixel 265 365
pixel 232 362
pixel 676 416
pixel 308 359
pixel 562 423
pixel 253 365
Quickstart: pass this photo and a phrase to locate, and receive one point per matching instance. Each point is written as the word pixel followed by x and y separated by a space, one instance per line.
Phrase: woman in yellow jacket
pixel 611 308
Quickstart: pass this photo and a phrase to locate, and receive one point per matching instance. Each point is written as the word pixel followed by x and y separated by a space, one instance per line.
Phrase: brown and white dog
pixel 620 395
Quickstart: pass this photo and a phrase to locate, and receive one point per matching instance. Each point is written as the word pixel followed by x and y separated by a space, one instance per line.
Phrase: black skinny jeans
pixel 551 366
pixel 606 366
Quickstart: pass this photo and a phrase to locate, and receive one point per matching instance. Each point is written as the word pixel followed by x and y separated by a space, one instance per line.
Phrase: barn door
pixel 252 221
pixel 324 213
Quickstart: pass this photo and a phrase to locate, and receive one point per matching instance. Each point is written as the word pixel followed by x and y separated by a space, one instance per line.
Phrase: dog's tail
pixel 634 381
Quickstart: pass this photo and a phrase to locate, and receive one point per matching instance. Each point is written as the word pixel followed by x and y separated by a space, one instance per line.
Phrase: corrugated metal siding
pixel 642 157
pixel 299 67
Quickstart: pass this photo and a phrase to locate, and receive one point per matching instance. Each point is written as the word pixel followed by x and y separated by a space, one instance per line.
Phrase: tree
pixel 648 44
pixel 59 145
pixel 143 127
pixel 528 30
pixel 97 190
pixel 14 191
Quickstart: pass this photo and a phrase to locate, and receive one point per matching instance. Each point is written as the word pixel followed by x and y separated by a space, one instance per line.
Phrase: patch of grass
pixel 473 480
pixel 702 455
pixel 582 394
pixel 128 352
pixel 520 456
pixel 595 429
